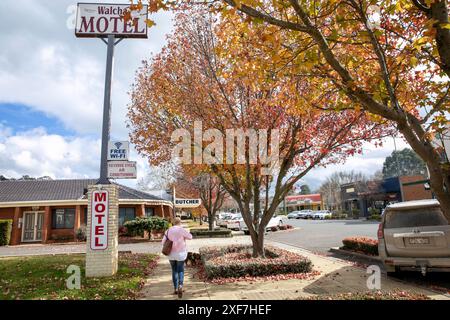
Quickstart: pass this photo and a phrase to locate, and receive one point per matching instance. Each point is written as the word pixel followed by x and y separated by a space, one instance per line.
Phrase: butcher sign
pixel 101 19
pixel 99 220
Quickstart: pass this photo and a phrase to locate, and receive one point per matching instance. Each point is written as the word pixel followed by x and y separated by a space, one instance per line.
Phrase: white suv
pixel 414 235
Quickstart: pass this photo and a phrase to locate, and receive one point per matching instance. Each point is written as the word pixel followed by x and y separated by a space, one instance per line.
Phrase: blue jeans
pixel 177 273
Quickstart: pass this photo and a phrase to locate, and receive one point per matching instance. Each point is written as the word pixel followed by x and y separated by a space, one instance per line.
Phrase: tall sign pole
pixel 107 111
pixel 105 21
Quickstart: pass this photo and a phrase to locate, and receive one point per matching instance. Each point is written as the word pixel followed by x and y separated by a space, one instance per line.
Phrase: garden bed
pixel 205 233
pixel 372 295
pixel 44 277
pixel 361 245
pixel 233 263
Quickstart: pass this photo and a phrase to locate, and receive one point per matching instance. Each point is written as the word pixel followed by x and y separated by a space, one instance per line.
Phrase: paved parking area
pixel 321 235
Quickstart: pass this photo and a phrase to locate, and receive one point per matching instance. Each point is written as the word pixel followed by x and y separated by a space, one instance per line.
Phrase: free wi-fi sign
pixel 118 150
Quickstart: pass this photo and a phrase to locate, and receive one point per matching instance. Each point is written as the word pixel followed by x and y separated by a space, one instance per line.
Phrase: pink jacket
pixel 178 235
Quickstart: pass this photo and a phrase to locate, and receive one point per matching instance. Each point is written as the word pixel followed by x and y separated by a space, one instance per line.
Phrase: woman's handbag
pixel 167 247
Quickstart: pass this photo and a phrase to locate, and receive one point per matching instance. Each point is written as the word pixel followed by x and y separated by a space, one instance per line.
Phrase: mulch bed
pixel 371 295
pixel 200 274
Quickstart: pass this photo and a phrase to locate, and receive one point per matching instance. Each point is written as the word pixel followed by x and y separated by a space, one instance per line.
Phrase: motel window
pixel 63 218
pixel 149 212
pixel 126 214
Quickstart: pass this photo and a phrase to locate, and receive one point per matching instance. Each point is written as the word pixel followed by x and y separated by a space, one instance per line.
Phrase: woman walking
pixel 178 254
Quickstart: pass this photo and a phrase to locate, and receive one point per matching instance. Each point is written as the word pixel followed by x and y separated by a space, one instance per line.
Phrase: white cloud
pixel 44 66
pixel 370 161
pixel 37 153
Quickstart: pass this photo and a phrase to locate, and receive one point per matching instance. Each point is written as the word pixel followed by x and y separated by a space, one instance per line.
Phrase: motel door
pixel 32 226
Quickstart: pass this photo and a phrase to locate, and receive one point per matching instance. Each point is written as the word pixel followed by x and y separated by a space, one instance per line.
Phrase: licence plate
pixel 419 240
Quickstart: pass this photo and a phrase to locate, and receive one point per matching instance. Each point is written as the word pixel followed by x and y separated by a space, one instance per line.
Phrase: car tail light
pixel 380 232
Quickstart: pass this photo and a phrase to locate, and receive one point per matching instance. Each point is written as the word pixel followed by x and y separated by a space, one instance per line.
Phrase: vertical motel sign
pixel 99 220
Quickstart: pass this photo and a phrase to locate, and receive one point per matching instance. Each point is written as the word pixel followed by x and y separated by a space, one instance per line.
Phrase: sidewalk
pixel 337 276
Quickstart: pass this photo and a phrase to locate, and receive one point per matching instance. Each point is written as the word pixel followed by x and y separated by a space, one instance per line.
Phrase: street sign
pixel 187 203
pixel 100 20
pixel 118 150
pixel 99 220
pixel 122 169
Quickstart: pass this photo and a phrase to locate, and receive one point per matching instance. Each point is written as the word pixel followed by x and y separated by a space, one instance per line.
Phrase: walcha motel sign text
pixel 105 21
pixel 99 220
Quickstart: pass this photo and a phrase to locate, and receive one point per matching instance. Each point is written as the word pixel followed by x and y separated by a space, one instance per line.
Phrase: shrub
pixel 80 234
pixel 5 231
pixel 123 231
pixel 361 244
pixel 159 224
pixel 138 226
pixel 205 233
pixel 273 229
pixel 376 217
pixel 237 261
pixel 289 226
pixel 339 215
pixel 355 213
pixel 283 227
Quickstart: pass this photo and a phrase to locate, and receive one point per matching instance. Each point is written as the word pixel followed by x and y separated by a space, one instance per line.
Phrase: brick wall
pixel 413 188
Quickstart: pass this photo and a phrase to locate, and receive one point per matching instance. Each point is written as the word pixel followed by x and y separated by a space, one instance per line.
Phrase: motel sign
pixel 99 220
pixel 97 20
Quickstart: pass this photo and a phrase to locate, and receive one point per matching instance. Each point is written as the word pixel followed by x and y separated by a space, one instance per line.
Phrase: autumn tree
pixel 391 71
pixel 206 186
pixel 395 68
pixel 202 78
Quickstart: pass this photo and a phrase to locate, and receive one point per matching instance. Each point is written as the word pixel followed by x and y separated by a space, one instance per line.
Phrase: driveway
pixel 321 235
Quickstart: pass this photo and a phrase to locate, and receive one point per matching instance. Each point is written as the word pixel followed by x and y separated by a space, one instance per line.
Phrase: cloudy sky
pixel 51 94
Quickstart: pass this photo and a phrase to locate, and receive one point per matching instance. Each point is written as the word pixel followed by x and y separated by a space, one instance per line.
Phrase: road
pixel 321 235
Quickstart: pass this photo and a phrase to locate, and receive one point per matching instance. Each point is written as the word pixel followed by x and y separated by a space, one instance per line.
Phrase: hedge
pixel 5 231
pixel 138 226
pixel 216 233
pixel 236 261
pixel 361 244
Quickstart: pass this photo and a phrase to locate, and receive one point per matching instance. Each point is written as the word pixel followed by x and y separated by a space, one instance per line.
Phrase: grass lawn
pixel 44 277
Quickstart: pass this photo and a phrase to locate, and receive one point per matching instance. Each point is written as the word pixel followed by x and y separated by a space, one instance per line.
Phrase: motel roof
pixel 316 197
pixel 60 190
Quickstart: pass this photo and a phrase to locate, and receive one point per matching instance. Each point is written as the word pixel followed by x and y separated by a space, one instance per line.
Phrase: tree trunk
pixel 439 177
pixel 211 218
pixel 257 243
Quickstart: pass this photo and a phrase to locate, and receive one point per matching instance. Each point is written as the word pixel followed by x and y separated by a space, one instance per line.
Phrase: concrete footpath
pixel 336 276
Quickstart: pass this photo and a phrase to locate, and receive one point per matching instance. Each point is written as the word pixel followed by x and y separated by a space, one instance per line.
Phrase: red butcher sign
pixel 100 20
pixel 99 220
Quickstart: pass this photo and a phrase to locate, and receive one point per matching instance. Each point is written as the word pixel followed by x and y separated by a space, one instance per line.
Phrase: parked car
pixel 225 218
pixel 234 223
pixel 414 235
pixel 305 214
pixel 293 215
pixel 275 221
pixel 321 215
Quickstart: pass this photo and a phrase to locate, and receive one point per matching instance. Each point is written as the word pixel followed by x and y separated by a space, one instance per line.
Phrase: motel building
pixel 45 211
